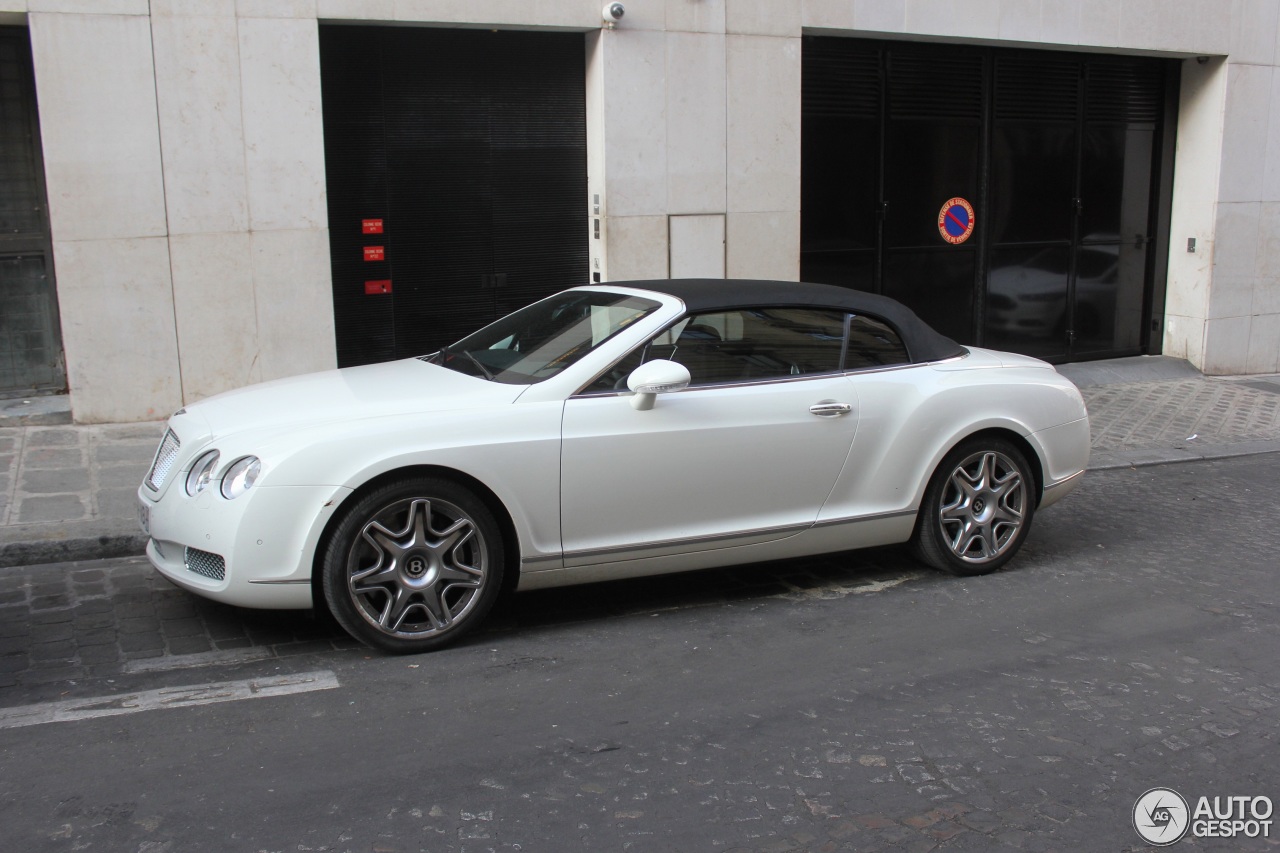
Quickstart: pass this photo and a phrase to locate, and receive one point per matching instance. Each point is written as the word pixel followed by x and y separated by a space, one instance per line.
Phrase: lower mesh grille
pixel 207 565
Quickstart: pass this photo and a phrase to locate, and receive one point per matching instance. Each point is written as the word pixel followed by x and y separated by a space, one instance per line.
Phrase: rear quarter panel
pixel 911 418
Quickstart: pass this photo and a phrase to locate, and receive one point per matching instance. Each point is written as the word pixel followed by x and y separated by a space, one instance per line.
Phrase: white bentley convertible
pixel 609 432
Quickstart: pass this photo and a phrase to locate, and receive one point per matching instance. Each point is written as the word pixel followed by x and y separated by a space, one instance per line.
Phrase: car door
pixel 748 453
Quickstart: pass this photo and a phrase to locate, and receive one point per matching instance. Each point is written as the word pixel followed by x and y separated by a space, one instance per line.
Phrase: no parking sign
pixel 955 220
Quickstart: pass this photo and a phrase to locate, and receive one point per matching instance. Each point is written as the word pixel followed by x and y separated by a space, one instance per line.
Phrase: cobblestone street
pixel 854 703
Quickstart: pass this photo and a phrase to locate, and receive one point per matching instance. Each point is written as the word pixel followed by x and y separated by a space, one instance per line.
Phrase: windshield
pixel 542 339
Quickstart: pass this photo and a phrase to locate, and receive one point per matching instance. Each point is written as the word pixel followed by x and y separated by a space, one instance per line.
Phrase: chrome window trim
pixel 857 371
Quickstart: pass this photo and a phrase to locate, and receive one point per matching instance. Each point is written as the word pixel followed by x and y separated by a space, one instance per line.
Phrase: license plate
pixel 144 516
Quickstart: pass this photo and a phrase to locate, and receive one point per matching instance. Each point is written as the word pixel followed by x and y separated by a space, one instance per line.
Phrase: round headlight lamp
pixel 240 477
pixel 201 473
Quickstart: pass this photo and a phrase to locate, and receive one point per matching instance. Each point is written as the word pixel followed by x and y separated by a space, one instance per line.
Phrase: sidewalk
pixel 68 492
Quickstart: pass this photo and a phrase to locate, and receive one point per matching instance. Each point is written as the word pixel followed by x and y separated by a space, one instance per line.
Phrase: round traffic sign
pixel 955 220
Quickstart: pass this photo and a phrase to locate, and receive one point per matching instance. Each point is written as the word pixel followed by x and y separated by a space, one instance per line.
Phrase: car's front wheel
pixel 413 565
pixel 977 509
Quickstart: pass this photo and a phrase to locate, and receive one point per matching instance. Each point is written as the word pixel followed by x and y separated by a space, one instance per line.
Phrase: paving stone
pixel 50 633
pixel 226 631
pixel 52 675
pixel 118 503
pixel 182 627
pixel 981 821
pixel 98 654
pixel 139 625
pixel 145 432
pixel 89 621
pixel 189 645
pixel 177 608
pixel 96 636
pixel 15 662
pixel 53 437
pixel 51 602
pixel 52 461
pixel 54 651
pixel 51 508
pixel 51 616
pixel 124 453
pixel 136 607
pixel 141 642
pixel 945 831
pixel 303 648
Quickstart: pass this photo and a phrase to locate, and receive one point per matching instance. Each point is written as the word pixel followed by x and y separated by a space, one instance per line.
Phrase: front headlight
pixel 240 477
pixel 202 473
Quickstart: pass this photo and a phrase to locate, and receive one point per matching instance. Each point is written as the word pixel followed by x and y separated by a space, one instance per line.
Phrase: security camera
pixel 613 12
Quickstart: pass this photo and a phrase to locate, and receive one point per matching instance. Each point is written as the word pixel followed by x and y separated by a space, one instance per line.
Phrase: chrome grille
pixel 211 566
pixel 165 457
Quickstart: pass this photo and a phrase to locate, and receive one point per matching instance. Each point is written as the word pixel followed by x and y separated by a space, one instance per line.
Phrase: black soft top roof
pixel 709 294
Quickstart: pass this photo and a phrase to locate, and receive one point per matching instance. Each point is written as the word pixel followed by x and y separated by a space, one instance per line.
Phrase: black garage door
pixel 1016 199
pixel 457 180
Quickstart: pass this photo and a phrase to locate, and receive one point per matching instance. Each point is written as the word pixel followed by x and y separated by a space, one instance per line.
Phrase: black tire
pixel 413 566
pixel 977 509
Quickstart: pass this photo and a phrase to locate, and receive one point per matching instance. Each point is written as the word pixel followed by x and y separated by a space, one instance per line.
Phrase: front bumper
pixel 255 551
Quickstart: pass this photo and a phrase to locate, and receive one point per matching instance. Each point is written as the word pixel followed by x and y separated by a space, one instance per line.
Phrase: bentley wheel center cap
pixel 417 566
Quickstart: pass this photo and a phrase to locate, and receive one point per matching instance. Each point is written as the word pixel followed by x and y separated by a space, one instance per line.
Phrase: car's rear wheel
pixel 977 509
pixel 413 566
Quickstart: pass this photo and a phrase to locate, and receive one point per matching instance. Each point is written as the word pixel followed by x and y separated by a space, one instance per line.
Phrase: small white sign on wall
pixel 697 246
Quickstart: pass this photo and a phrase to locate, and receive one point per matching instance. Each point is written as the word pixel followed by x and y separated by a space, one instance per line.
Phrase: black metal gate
pixel 1016 199
pixel 30 343
pixel 457 180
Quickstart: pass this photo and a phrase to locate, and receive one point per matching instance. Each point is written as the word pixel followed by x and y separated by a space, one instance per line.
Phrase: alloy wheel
pixel 983 506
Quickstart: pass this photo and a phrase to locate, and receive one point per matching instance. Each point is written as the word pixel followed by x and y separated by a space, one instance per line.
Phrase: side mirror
pixel 653 378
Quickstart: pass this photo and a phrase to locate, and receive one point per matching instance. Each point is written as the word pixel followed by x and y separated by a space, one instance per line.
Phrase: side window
pixel 873 344
pixel 752 344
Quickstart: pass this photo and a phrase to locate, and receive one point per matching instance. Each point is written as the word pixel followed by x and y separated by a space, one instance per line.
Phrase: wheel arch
pixel 510 539
pixel 1028 450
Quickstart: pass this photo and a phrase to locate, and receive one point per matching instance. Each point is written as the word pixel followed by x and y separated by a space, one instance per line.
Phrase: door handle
pixel 830 409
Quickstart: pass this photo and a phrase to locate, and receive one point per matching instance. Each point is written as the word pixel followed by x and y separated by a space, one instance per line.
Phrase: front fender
pixel 513 450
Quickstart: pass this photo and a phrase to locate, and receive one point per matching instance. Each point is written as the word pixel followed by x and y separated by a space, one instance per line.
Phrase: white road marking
pixel 73 710
pixel 220 658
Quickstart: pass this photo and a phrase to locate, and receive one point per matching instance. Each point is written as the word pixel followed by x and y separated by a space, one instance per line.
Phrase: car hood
pixel 410 386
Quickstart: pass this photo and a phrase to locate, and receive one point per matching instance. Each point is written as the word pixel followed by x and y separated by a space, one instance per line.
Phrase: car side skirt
pixel 824 538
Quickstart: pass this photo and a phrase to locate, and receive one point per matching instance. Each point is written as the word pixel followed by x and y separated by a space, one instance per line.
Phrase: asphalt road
pixel 852 703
